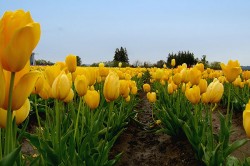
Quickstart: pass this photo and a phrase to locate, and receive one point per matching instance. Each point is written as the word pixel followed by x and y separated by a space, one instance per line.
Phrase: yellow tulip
pixel 185 75
pixel 71 62
pixel 151 96
pixel 246 75
pixel 81 85
pixel 170 88
pixel 177 79
pixel 195 76
pixel 246 119
pixel 20 114
pixel 158 74
pixel 204 98
pixel 203 85
pixel 51 72
pixel 19 35
pixel 46 92
pixel 173 62
pixel 111 89
pixel 215 91
pixel 231 70
pixel 127 99
pixel 200 66
pixel 92 99
pixel 124 88
pixel 70 96
pixel 120 64
pixel 193 94
pixel 61 86
pixel 134 90
pixel 146 87
pixel 39 85
pixel 2 87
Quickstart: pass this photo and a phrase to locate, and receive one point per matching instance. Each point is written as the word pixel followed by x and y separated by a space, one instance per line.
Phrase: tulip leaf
pixel 11 157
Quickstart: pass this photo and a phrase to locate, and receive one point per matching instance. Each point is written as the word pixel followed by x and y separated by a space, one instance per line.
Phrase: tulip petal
pixel 23 89
pixel 2 87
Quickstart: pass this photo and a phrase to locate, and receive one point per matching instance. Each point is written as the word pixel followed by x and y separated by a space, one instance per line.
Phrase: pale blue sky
pixel 149 29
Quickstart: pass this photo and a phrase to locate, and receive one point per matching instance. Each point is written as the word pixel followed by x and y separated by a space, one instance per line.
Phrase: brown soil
pixel 140 147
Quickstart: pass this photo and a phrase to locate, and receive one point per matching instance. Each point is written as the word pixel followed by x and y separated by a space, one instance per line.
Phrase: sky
pixel 148 29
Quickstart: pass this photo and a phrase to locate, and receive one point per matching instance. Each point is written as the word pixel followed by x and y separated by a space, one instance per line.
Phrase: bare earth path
pixel 144 148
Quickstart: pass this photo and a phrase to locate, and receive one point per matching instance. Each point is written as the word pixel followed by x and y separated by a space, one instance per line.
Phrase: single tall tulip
pixel 195 76
pixel 71 62
pixel 215 91
pixel 231 70
pixel 19 35
pixel 81 85
pixel 146 87
pixel 173 62
pixel 193 94
pixel 111 89
pixel 151 96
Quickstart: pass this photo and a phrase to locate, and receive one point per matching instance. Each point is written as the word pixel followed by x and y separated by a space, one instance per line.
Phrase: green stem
pixel 111 107
pixel 1 155
pixel 77 118
pixel 57 125
pixel 9 144
pixel 38 118
pixel 228 101
pixel 211 127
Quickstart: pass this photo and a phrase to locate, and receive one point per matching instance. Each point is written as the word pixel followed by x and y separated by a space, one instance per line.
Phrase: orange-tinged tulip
pixel 177 78
pixel 246 75
pixel 61 86
pixel 71 62
pixel 151 96
pixel 204 98
pixel 246 119
pixel 92 99
pixel 20 114
pixel 173 62
pixel 146 87
pixel 195 76
pixel 19 35
pixel 200 66
pixel 111 89
pixel 193 94
pixel 2 87
pixel 215 91
pixel 231 70
pixel 81 85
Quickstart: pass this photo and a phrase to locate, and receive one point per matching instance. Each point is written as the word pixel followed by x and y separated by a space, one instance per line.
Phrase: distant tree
pixel 215 65
pixel 137 63
pixel 43 62
pixel 159 63
pixel 204 61
pixel 78 61
pixel 182 57
pixel 121 55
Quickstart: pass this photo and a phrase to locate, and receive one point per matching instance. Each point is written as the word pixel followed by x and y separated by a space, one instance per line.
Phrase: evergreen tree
pixel 121 55
pixel 182 57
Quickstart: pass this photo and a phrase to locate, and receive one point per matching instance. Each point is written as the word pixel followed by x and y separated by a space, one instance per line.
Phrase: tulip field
pixel 66 114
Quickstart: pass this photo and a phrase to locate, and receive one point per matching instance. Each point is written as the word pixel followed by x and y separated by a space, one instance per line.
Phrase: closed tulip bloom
pixel 111 89
pixel 204 98
pixel 51 72
pixel 185 75
pixel 2 87
pixel 146 87
pixel 61 86
pixel 200 66
pixel 70 96
pixel 193 94
pixel 151 96
pixel 19 35
pixel 92 99
pixel 81 85
pixel 215 91
pixel 170 88
pixel 120 64
pixel 177 79
pixel 158 74
pixel 39 85
pixel 173 62
pixel 21 114
pixel 124 88
pixel 195 76
pixel 203 85
pixel 246 119
pixel 71 62
pixel 246 75
pixel 231 70
pixel 134 90
pixel 46 92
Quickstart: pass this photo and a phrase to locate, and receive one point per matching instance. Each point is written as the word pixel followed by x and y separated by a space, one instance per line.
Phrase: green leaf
pixel 237 144
pixel 11 157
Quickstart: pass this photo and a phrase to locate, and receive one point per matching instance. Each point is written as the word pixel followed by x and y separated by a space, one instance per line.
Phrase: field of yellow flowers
pixel 80 112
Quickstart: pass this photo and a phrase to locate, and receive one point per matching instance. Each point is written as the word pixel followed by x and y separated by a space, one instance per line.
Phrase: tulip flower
pixel 146 87
pixel 124 88
pixel 127 99
pixel 215 91
pixel 71 62
pixel 70 96
pixel 177 78
pixel 231 70
pixel 246 119
pixel 193 94
pixel 21 114
pixel 203 85
pixel 61 86
pixel 92 99
pixel 120 64
pixel 151 96
pixel 195 76
pixel 81 85
pixel 111 89
pixel 19 35
pixel 173 62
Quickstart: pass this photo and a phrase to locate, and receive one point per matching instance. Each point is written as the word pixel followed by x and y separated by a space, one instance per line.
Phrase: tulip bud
pixel 151 97
pixel 193 94
pixel 173 62
pixel 146 87
pixel 92 99
pixel 71 62
pixel 111 89
pixel 81 85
